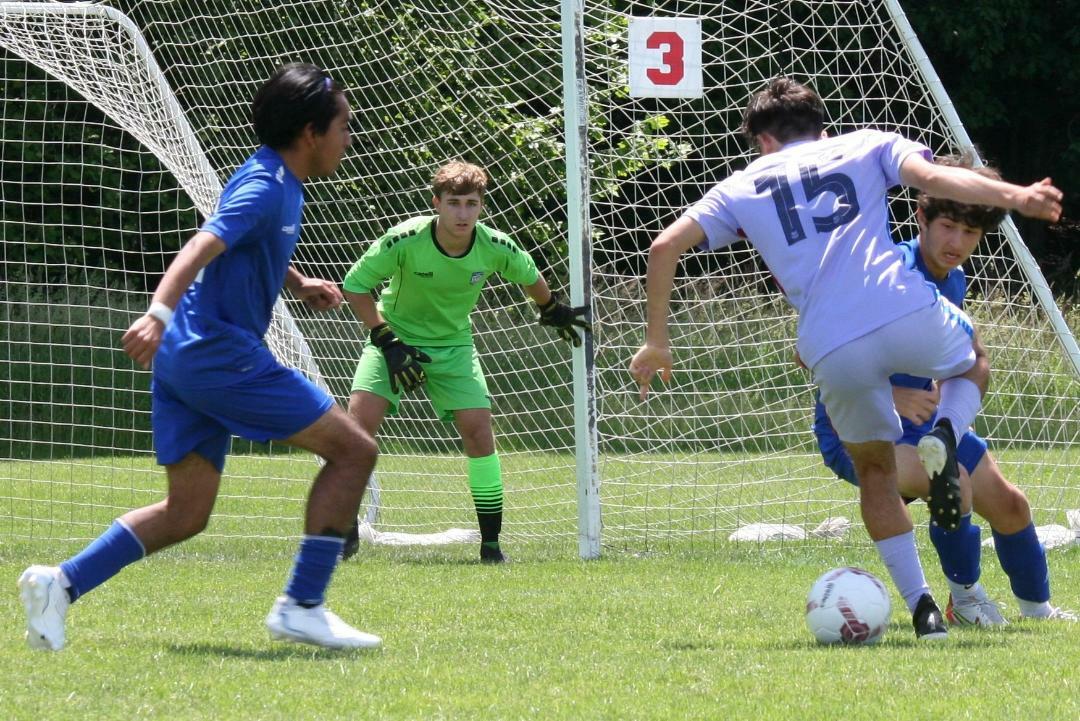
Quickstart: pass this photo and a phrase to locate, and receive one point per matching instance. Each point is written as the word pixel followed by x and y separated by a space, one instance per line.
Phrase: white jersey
pixel 818 213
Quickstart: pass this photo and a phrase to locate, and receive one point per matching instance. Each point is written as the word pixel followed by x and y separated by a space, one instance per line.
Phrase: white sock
pixel 960 403
pixel 962 593
pixel 1035 609
pixel 902 559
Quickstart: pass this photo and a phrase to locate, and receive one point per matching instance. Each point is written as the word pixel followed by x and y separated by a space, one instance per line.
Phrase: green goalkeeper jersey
pixel 431 294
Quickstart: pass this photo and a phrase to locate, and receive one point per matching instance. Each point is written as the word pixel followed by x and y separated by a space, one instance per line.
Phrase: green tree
pixel 1011 68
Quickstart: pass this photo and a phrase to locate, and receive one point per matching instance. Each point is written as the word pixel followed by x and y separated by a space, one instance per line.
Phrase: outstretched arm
pixel 142 339
pixel 1039 200
pixel 664 253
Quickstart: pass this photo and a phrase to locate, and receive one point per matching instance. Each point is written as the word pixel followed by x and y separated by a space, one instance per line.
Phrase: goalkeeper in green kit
pixel 421 334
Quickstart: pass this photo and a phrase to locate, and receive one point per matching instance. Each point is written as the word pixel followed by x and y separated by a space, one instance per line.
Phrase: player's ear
pixel 436 201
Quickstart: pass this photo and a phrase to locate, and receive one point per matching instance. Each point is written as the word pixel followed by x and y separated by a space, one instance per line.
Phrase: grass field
pixel 673 635
pixel 669 637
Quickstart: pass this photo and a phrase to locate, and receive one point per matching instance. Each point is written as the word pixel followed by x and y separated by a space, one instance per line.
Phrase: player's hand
pixel 1040 200
pixel 565 319
pixel 318 294
pixel 402 360
pixel 915 404
pixel 142 339
pixel 646 363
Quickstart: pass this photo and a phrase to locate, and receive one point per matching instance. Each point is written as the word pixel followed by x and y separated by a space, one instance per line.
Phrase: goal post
pixel 109 157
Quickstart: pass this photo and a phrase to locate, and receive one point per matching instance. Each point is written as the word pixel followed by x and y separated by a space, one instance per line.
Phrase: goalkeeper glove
pixel 565 319
pixel 403 361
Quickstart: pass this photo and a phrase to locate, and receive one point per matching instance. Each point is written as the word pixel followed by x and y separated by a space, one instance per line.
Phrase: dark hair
pixel 986 217
pixel 295 95
pixel 459 178
pixel 786 110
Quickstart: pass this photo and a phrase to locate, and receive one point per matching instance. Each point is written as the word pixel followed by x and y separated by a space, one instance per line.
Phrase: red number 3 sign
pixel 671 49
pixel 665 57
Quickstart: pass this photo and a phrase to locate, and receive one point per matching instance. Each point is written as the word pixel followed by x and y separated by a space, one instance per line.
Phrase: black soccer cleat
pixel 937 451
pixel 927 619
pixel 492 555
pixel 352 541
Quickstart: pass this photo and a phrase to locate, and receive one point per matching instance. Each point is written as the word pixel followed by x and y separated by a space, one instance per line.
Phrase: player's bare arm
pixel 364 308
pixel 142 339
pixel 1039 200
pixel 654 356
pixel 317 293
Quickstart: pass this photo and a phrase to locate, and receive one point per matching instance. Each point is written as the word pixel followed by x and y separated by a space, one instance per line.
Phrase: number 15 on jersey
pixel 813 185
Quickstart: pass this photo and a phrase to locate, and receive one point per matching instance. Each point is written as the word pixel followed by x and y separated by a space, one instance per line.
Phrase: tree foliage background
pixel 1012 67
pixel 1009 65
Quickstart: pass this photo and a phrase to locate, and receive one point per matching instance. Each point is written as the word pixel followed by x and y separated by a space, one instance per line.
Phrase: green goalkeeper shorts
pixel 454 382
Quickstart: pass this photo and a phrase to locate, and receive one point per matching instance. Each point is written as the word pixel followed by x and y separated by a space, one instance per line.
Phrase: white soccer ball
pixel 848 605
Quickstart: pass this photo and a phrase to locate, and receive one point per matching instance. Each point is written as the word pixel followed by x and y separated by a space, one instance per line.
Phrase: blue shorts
pixel 271 403
pixel 969 453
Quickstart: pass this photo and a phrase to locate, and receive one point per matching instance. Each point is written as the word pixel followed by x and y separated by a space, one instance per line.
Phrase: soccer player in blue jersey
pixel 213 377
pixel 948 234
pixel 816 209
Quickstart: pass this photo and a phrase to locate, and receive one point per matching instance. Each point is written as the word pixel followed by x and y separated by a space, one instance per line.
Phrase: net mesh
pixel 116 136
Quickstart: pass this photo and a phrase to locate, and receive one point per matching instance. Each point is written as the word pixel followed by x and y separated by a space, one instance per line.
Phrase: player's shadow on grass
pixel 277 652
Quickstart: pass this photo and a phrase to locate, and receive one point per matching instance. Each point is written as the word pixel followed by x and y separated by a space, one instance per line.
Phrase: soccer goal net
pixel 120 121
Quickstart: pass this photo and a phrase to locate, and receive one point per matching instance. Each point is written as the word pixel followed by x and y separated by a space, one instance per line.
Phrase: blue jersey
pixel 221 319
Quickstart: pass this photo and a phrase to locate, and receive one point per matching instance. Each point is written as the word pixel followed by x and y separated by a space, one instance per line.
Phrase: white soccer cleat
pixel 46 602
pixel 977 610
pixel 1057 614
pixel 289 621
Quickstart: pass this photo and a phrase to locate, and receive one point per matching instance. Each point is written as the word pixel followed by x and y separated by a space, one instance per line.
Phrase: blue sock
pixel 1023 559
pixel 102 559
pixel 315 563
pixel 958 550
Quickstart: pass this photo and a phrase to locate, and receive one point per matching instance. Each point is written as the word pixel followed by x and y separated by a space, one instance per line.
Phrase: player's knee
pixel 186 523
pixel 1015 509
pixel 357 449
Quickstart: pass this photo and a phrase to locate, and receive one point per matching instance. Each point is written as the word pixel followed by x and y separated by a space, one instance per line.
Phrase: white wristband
pixel 162 312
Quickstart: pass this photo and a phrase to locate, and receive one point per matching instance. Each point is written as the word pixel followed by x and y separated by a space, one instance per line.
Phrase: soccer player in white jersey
pixel 213 377
pixel 816 209
pixel 948 234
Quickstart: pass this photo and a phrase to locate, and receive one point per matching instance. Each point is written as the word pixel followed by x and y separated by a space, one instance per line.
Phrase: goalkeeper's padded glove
pixel 402 360
pixel 565 319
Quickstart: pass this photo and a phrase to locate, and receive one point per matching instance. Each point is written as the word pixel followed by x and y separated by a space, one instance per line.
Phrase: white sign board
pixel 665 57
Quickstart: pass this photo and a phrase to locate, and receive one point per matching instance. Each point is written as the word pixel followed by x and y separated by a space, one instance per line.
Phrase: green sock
pixel 485 482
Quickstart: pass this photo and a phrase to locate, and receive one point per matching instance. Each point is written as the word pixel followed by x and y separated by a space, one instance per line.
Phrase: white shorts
pixel 933 342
